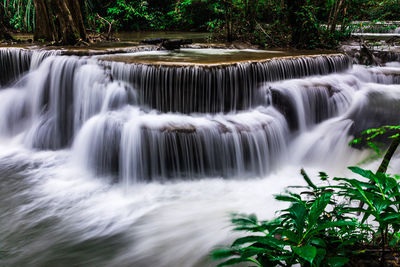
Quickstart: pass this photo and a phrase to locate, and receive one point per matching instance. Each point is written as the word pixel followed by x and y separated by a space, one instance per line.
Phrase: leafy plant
pixel 307 233
pixel 381 195
pixel 323 225
pixel 21 14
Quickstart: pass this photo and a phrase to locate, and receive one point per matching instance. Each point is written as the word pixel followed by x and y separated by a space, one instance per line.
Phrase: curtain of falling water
pixel 109 112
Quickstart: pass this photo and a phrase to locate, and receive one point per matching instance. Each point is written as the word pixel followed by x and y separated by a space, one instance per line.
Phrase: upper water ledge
pixel 208 56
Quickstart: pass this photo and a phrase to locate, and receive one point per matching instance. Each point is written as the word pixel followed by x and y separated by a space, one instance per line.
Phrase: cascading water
pixel 113 164
pixel 211 89
pixel 15 61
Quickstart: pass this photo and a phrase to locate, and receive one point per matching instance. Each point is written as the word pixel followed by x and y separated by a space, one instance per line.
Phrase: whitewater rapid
pixel 55 213
pixel 93 175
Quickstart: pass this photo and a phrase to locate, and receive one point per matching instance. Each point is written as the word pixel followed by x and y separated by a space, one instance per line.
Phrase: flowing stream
pixel 110 163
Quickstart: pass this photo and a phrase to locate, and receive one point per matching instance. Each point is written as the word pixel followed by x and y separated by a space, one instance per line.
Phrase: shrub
pixel 327 225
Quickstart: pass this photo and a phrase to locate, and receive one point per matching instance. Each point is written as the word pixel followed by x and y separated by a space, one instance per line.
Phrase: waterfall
pixel 151 159
pixel 234 120
pixel 13 62
pixel 158 147
pixel 220 88
pixel 53 103
pixel 16 61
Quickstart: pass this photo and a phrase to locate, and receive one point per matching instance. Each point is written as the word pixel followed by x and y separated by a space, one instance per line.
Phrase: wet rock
pixel 153 41
pixel 169 44
pixel 173 44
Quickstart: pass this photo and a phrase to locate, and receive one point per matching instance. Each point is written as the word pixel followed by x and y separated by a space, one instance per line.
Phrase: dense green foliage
pixel 20 13
pixel 321 229
pixel 300 23
pixel 342 220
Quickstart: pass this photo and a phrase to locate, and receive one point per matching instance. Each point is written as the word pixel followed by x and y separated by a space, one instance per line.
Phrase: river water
pixel 113 164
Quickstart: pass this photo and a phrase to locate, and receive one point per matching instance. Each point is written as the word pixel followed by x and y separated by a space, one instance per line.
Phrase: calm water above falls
pixel 112 164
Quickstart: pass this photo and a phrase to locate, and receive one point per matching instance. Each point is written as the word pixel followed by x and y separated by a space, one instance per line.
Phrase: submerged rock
pixel 169 44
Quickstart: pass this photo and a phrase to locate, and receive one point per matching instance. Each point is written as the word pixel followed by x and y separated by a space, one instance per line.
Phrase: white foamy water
pixel 170 224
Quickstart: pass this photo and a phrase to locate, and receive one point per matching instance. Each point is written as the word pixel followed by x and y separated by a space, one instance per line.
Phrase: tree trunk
pixel 59 21
pixel 344 22
pixel 228 21
pixel 45 28
pixel 388 156
pixel 335 16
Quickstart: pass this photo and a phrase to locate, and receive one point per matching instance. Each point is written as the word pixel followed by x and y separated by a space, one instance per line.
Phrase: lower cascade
pixel 154 141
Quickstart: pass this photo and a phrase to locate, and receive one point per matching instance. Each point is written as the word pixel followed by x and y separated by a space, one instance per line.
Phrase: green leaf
pixel 388 217
pixel 253 251
pixel 318 242
pixel 222 253
pixel 338 224
pixel 243 220
pixel 317 208
pixel 307 252
pixel 307 179
pixel 265 240
pixel 299 212
pixel 323 176
pixel 248 229
pixel 234 261
pixel 286 198
pixel 337 261
pixel 365 173
pixel 394 195
pixel 380 204
pixel 356 184
pixel 292 236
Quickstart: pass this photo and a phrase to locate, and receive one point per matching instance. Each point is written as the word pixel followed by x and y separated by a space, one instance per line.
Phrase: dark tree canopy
pixel 282 23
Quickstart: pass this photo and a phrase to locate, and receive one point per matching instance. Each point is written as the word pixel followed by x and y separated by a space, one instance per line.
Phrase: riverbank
pixel 130 42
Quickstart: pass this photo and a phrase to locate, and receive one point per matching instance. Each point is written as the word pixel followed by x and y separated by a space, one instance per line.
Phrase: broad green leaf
pixel 365 173
pixel 318 242
pixel 307 252
pixel 380 204
pixel 222 253
pixel 299 213
pixel 391 184
pixel 317 208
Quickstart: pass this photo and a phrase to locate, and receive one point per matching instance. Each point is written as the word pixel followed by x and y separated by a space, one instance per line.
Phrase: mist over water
pixel 93 174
